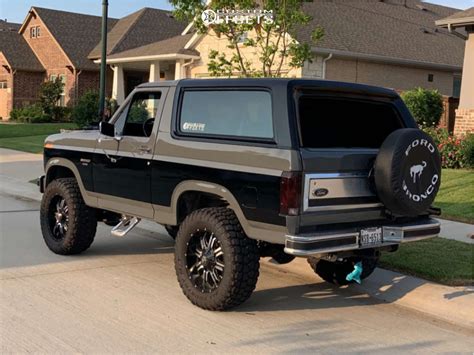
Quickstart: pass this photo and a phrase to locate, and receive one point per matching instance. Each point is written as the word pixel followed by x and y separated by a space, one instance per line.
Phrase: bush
pixel 426 106
pixel 30 114
pixel 49 95
pixel 86 110
pixel 468 150
pixel 456 152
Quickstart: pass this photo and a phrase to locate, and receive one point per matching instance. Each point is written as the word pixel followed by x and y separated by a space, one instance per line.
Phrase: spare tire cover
pixel 407 172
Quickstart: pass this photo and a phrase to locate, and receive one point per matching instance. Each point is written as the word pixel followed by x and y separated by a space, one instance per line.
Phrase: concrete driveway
pixel 122 296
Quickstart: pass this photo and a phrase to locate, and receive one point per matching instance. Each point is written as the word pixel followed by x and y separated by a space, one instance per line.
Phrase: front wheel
pixel 67 224
pixel 216 264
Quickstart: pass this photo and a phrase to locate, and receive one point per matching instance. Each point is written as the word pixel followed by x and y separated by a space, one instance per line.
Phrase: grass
pixel 29 137
pixel 456 195
pixel 441 260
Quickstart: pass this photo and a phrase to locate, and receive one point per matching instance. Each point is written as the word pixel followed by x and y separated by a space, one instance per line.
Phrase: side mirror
pixel 107 129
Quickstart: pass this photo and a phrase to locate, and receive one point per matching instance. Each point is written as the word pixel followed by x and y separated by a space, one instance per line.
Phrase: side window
pixel 138 117
pixel 231 113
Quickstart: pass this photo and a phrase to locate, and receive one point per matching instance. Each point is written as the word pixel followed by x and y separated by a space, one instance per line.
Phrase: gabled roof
pixel 173 45
pixel 9 26
pixel 386 29
pixel 77 34
pixel 143 27
pixel 459 19
pixel 17 52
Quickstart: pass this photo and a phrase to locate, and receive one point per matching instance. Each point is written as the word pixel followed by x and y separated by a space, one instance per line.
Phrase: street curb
pixel 451 304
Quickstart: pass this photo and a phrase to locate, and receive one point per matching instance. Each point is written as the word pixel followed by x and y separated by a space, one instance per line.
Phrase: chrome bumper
pixel 322 243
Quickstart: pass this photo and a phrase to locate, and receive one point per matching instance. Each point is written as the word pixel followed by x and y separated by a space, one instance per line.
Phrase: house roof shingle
pixel 76 33
pixel 17 52
pixel 168 46
pixel 9 26
pixel 459 19
pixel 138 29
pixel 386 29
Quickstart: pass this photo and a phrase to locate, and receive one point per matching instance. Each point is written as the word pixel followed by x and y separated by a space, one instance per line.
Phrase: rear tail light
pixel 290 193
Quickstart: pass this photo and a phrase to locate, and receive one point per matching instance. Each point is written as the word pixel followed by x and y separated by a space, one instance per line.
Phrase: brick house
pixel 55 44
pixel 21 72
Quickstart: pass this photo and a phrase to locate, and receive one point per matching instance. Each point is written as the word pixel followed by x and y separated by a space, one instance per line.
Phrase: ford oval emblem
pixel 320 192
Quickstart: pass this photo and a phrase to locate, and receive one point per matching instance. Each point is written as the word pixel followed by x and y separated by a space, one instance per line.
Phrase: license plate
pixel 370 236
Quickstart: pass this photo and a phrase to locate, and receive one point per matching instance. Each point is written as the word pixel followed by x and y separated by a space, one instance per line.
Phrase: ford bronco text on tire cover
pixel 238 169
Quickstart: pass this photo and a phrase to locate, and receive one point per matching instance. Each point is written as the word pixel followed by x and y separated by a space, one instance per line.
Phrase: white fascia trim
pixel 188 28
pixel 461 22
pixel 384 59
pixel 148 58
pixel 192 41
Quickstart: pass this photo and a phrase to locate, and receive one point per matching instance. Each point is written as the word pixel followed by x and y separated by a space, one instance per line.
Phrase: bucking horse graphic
pixel 417 170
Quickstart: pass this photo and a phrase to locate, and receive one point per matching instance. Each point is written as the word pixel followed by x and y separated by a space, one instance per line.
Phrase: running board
pixel 126 224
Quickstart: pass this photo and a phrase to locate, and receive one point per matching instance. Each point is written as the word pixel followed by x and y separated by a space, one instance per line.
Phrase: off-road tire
pixel 172 230
pixel 336 272
pixel 241 259
pixel 82 224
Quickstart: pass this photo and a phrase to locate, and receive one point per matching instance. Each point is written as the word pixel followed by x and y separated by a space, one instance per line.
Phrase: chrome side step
pixel 127 223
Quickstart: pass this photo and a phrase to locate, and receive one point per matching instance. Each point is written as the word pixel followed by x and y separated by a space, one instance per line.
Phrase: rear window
pixel 327 122
pixel 230 113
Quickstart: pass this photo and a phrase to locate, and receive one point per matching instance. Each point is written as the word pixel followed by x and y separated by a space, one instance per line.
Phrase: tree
pixel 273 42
pixel 49 95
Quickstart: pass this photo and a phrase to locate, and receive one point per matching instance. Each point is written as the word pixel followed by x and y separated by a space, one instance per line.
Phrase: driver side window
pixel 138 118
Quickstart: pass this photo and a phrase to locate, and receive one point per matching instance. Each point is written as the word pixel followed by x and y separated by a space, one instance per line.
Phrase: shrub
pixel 468 150
pixel 454 151
pixel 49 95
pixel 426 106
pixel 30 114
pixel 86 110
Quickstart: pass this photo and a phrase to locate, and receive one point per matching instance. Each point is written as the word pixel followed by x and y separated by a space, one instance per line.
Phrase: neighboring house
pixel 464 21
pixel 144 46
pixel 21 73
pixel 390 43
pixel 50 44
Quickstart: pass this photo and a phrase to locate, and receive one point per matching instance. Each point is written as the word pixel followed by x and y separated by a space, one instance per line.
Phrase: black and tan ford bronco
pixel 237 169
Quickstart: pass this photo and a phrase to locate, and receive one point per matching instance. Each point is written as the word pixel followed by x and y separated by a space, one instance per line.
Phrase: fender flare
pixel 66 163
pixel 214 189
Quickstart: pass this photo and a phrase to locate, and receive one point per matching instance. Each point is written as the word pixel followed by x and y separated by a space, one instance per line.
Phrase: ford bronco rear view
pixel 238 169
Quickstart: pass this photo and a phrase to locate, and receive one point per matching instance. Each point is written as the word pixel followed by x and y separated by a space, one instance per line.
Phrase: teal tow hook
pixel 355 275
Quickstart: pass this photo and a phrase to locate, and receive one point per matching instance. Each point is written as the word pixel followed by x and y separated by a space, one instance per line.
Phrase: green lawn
pixel 29 137
pixel 456 195
pixel 441 260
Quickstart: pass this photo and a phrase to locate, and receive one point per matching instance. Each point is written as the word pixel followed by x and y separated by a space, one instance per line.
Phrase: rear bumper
pixel 345 240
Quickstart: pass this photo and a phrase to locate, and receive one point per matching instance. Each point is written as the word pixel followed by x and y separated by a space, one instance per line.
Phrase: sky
pixel 16 10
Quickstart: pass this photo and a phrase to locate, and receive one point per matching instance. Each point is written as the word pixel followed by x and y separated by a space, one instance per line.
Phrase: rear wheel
pixel 336 272
pixel 216 264
pixel 67 224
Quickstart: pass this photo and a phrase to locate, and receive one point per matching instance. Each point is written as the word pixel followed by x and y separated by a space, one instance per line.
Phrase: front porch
pixel 128 75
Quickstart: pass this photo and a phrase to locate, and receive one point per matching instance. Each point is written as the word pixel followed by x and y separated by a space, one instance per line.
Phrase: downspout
pixel 76 89
pixel 324 64
pixel 185 65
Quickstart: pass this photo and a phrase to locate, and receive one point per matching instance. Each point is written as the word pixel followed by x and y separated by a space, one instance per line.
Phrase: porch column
pixel 178 71
pixel 118 84
pixel 154 71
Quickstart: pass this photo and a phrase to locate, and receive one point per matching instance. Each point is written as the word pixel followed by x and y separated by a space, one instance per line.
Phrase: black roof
pixel 275 82
pixel 17 52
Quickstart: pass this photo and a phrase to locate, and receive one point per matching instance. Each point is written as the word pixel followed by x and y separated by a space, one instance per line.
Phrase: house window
pixel 430 78
pixel 35 32
pixel 3 85
pixel 457 86
pixel 62 77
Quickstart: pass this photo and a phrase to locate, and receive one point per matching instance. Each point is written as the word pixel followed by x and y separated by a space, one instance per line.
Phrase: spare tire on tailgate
pixel 407 172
